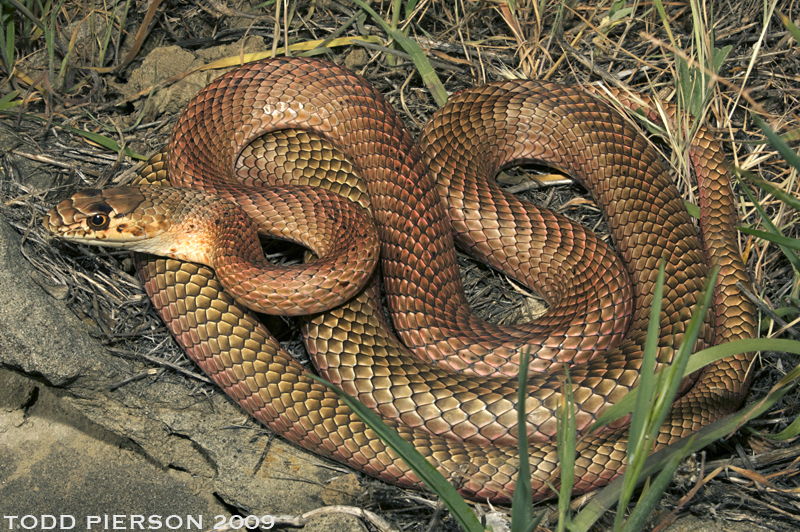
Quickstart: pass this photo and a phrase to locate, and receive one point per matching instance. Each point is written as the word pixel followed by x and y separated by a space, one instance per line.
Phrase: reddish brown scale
pixel 463 424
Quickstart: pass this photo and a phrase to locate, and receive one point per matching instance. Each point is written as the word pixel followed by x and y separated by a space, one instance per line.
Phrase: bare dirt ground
pixel 100 411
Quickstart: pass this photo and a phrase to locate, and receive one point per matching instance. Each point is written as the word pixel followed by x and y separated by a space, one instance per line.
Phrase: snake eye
pixel 98 222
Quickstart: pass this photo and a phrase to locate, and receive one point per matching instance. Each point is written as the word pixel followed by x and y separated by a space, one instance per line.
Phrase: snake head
pixel 147 219
pixel 114 217
pixel 176 222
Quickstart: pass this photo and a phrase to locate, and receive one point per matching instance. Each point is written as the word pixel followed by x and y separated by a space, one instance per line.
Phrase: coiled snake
pixel 435 386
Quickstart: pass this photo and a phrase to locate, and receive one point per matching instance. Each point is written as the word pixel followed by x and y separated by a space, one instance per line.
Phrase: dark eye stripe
pixel 105 208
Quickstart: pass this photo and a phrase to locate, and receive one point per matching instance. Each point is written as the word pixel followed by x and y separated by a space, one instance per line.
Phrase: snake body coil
pixel 455 411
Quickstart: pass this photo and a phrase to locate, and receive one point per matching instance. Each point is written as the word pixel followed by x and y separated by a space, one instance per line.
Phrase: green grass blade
pixel 6 101
pixel 661 406
pixel 747 345
pixel 790 256
pixel 566 440
pixel 421 467
pixel 426 71
pixel 608 496
pixel 769 188
pixel 665 21
pixel 522 503
pixel 781 240
pixel 694 210
pixel 720 55
pixel 677 368
pixel 698 361
pixel 7 36
pixel 786 434
pixel 647 374
pixel 650 498
pixel 786 152
pixel 791 27
pixel 651 412
pixel 103 141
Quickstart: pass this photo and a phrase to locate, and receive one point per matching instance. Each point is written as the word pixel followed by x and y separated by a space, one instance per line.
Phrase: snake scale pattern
pixel 438 375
